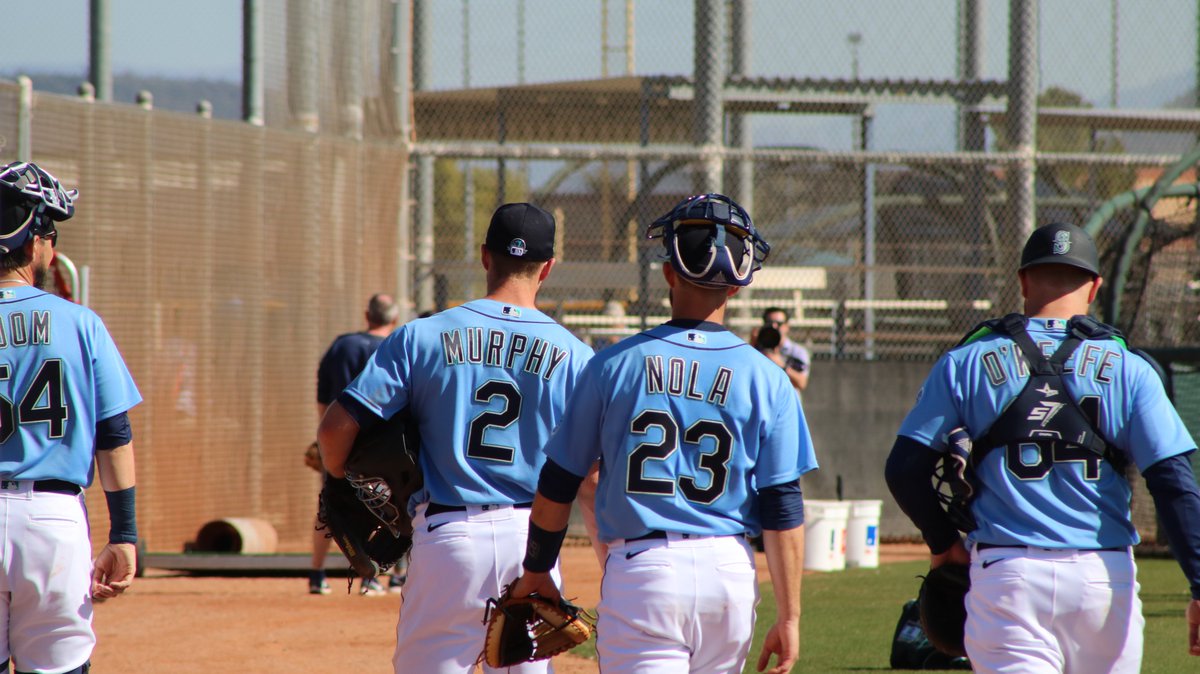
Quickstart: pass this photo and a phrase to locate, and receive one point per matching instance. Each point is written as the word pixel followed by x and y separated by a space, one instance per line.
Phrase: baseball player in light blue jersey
pixel 64 395
pixel 701 441
pixel 486 382
pixel 1058 412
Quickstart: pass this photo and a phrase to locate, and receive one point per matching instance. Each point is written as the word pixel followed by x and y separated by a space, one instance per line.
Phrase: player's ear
pixel 669 274
pixel 545 271
pixel 485 257
pixel 732 290
pixel 1096 283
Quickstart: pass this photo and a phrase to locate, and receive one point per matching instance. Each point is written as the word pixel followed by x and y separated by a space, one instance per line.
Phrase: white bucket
pixel 862 534
pixel 825 534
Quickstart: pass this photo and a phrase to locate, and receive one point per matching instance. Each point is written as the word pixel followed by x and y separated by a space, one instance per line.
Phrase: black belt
pixel 54 486
pixel 995 546
pixel 656 535
pixel 437 508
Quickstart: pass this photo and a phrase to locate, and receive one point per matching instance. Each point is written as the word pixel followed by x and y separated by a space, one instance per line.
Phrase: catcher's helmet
pixel 711 241
pixel 953 480
pixel 31 201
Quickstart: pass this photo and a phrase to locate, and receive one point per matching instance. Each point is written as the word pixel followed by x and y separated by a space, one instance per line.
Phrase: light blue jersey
pixel 60 374
pixel 689 421
pixel 1054 502
pixel 486 382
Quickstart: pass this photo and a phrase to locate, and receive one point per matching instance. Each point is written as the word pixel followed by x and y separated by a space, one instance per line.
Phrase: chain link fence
pixel 875 148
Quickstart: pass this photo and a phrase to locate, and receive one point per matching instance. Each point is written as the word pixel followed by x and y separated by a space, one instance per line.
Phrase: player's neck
pixel 515 293
pixel 1063 308
pixel 16 277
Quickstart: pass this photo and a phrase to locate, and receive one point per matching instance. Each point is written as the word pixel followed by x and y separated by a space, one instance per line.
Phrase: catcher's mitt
pixel 525 629
pixel 943 607
pixel 312 457
pixel 366 513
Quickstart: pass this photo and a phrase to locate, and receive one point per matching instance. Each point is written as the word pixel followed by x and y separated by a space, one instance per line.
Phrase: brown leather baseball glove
pixel 525 629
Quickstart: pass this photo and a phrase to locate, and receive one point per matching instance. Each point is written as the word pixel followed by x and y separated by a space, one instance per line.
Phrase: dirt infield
pixel 181 623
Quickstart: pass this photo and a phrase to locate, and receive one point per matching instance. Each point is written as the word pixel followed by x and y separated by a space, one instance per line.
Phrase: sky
pixel 1156 47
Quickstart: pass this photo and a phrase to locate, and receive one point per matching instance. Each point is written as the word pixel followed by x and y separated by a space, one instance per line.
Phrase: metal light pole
pixel 854 39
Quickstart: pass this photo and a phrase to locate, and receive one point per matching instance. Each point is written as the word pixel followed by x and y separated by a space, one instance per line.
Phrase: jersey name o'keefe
pixel 1092 360
pixel 679 377
pixel 499 348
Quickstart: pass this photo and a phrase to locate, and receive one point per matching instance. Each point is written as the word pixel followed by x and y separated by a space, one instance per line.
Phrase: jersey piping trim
pixel 37 293
pixel 509 319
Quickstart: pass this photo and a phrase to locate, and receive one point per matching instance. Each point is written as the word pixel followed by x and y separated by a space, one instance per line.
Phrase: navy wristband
pixel 122 516
pixel 541 549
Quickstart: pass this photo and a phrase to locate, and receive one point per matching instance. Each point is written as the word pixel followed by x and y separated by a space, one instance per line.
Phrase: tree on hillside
pixel 1099 182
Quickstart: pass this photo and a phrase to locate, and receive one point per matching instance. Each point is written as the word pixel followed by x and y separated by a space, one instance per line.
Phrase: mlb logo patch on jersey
pixel 511 311
pixel 697 338
pixel 1056 324
pixel 7 294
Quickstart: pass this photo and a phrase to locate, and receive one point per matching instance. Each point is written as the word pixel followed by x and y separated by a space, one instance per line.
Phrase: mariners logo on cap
pixel 1062 243
pixel 517 248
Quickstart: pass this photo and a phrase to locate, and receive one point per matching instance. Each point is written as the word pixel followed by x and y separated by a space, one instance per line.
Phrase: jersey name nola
pixel 499 348
pixel 21 330
pixel 678 377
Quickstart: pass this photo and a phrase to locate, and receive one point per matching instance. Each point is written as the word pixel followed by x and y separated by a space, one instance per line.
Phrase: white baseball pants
pixel 459 561
pixel 1035 611
pixel 677 605
pixel 46 579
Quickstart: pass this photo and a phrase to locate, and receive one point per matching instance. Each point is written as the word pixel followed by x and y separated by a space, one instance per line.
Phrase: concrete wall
pixel 854 409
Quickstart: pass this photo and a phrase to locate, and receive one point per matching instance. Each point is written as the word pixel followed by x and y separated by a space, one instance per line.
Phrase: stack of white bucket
pixel 840 534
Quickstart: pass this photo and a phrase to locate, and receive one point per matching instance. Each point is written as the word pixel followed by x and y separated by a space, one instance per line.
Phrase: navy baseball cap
pixel 1060 243
pixel 523 231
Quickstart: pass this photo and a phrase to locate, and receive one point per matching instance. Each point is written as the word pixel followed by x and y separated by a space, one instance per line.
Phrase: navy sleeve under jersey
pixel 346 357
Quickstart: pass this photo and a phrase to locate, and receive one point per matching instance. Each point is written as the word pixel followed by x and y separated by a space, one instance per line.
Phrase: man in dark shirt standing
pixel 339 366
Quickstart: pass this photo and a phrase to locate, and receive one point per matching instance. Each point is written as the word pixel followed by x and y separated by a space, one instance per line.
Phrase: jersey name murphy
pixel 679 377
pixel 21 330
pixel 1092 360
pixel 500 348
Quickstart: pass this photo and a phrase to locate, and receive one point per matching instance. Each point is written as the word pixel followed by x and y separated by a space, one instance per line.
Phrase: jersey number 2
pixel 46 388
pixel 503 418
pixel 715 463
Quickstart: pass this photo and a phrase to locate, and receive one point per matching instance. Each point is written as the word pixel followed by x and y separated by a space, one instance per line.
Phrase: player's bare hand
pixel 113 570
pixel 783 639
pixel 540 584
pixel 957 554
pixel 1193 618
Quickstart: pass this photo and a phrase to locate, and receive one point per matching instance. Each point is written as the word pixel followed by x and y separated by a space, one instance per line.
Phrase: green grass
pixel 849 617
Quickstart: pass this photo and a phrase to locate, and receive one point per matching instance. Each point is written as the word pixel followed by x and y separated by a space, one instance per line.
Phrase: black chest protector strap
pixel 1044 412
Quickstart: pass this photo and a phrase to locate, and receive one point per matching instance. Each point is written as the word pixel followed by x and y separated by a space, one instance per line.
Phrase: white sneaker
pixel 372 588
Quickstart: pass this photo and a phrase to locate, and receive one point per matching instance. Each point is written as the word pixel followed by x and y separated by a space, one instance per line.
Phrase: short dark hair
pixel 21 257
pixel 767 338
pixel 514 267
pixel 771 310
pixel 382 309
